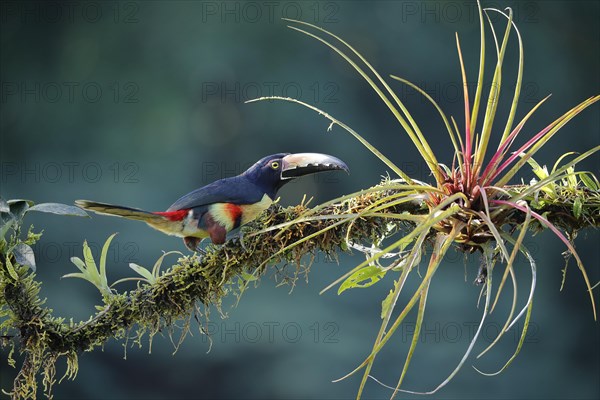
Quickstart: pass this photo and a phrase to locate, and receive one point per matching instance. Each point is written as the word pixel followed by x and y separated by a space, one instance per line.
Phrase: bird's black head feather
pixel 266 174
pixel 270 173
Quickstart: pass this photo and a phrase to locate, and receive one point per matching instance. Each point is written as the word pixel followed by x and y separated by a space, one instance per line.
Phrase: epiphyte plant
pixel 471 203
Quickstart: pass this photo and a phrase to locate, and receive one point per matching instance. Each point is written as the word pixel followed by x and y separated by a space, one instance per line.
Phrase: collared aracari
pixel 219 207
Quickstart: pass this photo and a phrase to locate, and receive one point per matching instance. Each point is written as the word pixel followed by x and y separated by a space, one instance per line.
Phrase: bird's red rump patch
pixel 173 215
pixel 234 211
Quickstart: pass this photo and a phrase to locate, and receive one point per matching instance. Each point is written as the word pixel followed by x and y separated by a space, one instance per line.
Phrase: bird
pixel 216 209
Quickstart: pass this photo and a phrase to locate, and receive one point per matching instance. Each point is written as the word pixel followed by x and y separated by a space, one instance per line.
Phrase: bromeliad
pixel 224 205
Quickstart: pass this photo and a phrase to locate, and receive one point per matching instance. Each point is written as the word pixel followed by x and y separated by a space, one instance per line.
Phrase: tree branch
pixel 175 295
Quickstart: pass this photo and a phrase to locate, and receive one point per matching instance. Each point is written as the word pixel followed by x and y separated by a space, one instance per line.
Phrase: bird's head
pixel 274 171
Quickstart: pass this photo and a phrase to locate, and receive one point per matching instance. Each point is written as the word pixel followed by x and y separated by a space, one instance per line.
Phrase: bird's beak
pixel 295 165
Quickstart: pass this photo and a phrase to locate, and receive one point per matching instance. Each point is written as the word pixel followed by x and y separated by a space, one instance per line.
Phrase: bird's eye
pixel 275 165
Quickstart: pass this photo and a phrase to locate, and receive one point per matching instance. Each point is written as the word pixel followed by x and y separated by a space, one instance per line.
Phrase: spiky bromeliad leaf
pixel 89 270
pixel 149 276
pixel 478 180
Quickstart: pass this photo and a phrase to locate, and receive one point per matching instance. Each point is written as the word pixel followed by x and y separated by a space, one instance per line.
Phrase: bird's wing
pixel 235 190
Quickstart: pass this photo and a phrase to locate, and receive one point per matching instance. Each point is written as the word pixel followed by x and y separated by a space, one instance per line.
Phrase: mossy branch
pixel 176 294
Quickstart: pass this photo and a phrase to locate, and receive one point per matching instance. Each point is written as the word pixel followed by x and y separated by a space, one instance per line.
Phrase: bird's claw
pixel 241 239
pixel 193 244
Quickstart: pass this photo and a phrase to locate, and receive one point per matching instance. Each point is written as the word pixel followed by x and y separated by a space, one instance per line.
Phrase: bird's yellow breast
pixel 251 211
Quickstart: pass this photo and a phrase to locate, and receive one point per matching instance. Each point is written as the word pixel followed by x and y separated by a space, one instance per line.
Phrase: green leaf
pixel 90 265
pixel 78 263
pixel 362 278
pixel 76 275
pixel 126 280
pixel 386 304
pixel 60 209
pixel 24 255
pixel 147 275
pixel 539 171
pixel 248 277
pixel 158 263
pixel 588 181
pixel 103 259
pixel 577 207
pixel 11 270
pixel 89 271
pixel 7 222
pixel 571 178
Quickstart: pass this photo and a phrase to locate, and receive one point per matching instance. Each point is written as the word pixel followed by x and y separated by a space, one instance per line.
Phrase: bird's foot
pixel 239 236
pixel 241 239
pixel 193 244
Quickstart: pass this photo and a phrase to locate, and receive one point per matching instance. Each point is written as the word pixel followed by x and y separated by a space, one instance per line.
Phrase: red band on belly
pixel 234 211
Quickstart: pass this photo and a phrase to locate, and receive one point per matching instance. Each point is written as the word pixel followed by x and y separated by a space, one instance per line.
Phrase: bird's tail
pixel 120 211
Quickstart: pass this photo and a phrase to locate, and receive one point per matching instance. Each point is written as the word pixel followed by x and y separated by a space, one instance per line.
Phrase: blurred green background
pixel 137 103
